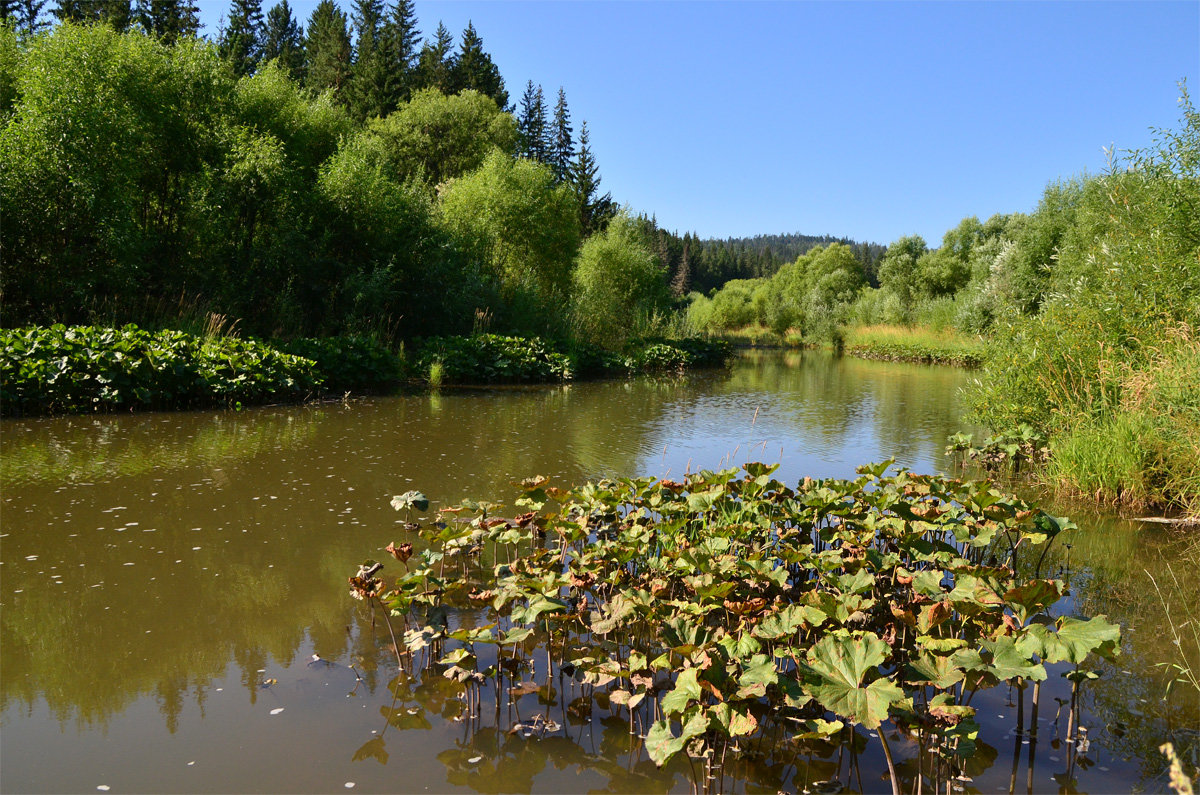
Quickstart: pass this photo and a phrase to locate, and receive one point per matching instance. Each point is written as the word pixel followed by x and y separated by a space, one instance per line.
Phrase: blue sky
pixel 863 119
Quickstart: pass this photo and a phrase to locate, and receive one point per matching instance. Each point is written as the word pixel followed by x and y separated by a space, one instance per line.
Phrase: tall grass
pixel 1145 449
pixel 917 344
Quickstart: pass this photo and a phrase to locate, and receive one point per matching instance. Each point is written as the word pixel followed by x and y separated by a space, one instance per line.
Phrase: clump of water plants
pixel 1001 453
pixel 727 609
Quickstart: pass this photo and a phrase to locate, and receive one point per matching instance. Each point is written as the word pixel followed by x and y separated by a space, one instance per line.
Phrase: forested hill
pixel 703 264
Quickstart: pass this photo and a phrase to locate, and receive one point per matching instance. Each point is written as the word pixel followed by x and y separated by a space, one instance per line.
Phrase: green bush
pixel 86 368
pixel 349 364
pixel 491 358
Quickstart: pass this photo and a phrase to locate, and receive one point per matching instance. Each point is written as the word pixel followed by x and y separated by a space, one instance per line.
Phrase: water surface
pixel 166 580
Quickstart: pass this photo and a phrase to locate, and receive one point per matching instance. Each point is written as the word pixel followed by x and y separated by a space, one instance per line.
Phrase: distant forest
pixel 695 264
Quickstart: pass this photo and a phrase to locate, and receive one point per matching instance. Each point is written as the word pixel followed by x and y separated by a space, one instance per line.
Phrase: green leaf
pixel 933 669
pixel 661 744
pixel 1013 660
pixel 758 671
pixel 740 647
pixel 1032 597
pixel 838 668
pixel 1076 639
pixel 686 690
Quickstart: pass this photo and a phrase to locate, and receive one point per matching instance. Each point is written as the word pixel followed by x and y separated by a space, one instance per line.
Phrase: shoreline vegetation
pixel 883 342
pixel 84 369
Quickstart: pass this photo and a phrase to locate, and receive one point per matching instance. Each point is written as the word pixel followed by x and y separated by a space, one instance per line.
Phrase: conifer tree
pixel 327 49
pixel 435 65
pixel 115 13
pixel 240 40
pixel 399 39
pixel 594 211
pixel 562 144
pixel 682 282
pixel 473 69
pixel 283 40
pixel 169 20
pixel 532 129
pixel 79 11
pixel 24 15
pixel 368 93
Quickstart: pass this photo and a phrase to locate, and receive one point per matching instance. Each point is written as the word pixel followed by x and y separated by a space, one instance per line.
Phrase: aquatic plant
pixel 93 368
pixel 349 364
pixel 727 608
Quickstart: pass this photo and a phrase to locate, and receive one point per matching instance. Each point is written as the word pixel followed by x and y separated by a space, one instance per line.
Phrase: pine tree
pixel 399 39
pixel 532 129
pixel 473 69
pixel 367 90
pixel 435 65
pixel 240 41
pixel 283 40
pixel 562 145
pixel 169 20
pixel 327 49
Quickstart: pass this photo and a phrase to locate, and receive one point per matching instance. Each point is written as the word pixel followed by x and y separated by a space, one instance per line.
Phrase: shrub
pixel 85 368
pixel 491 358
pixel 349 364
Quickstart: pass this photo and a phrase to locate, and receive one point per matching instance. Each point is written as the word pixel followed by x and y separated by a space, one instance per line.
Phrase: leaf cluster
pixel 727 604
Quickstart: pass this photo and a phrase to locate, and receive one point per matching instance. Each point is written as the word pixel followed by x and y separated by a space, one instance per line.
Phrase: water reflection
pixel 159 571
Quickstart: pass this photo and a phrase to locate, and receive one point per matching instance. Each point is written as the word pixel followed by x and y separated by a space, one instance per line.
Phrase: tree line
pixel 165 179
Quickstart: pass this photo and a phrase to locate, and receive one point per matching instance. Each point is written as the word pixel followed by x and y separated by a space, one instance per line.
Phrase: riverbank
pixel 891 343
pixel 86 369
pixel 918 344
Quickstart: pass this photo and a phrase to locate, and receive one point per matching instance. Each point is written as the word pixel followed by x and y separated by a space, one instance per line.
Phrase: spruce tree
pixel 682 283
pixel 240 41
pixel 435 65
pixel 78 11
pixel 532 128
pixel 399 39
pixel 562 144
pixel 327 49
pixel 473 69
pixel 585 179
pixel 24 15
pixel 283 40
pixel 367 92
pixel 169 20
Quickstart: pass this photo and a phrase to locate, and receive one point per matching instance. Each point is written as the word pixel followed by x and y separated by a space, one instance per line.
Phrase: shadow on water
pixel 167 579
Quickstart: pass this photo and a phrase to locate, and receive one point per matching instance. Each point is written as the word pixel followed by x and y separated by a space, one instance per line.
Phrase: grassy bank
pixel 1145 450
pixel 915 344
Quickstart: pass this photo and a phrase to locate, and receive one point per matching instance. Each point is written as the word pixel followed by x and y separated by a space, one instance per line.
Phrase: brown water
pixel 165 580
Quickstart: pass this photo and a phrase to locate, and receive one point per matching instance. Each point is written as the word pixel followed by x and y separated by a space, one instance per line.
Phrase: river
pixel 174 614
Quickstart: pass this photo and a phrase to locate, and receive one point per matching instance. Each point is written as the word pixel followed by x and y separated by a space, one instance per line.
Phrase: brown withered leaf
pixel 401 553
pixel 747 606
